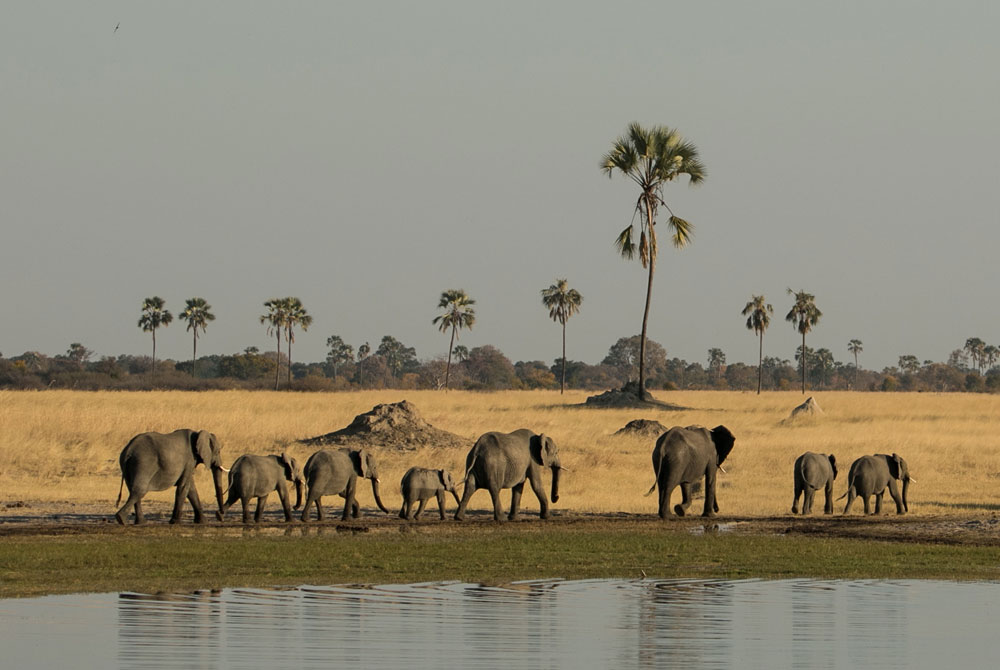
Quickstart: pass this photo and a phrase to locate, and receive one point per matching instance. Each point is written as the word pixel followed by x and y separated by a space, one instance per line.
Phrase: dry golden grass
pixel 63 446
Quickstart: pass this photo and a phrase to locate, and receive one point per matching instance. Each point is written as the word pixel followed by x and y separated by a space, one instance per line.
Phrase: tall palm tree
pixel 197 313
pixel 363 352
pixel 855 347
pixel 563 302
pixel 652 158
pixel 458 314
pixel 295 315
pixel 274 318
pixel 803 316
pixel 758 313
pixel 154 315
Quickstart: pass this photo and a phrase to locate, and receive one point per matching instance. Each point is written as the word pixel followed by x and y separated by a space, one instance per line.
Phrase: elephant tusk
pixel 565 469
pixel 723 470
pixel 224 469
pixel 912 479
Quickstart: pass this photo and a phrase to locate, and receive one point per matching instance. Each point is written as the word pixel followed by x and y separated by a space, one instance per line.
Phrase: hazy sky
pixel 367 156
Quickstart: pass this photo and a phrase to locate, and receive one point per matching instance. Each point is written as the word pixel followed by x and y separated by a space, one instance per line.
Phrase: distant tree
pixel 625 355
pixel 398 357
pixel 535 374
pixel 652 158
pixel 363 352
pixel 274 318
pixel 758 313
pixel 78 353
pixel 975 348
pixel 154 315
pixel 909 363
pixel 716 361
pixel 990 355
pixel 197 313
pixel 458 314
pixel 562 303
pixel 803 316
pixel 488 368
pixel 461 352
pixel 824 365
pixel 295 315
pixel 340 352
pixel 855 347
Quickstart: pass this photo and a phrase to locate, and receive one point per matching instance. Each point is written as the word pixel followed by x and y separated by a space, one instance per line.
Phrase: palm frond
pixel 682 231
pixel 625 245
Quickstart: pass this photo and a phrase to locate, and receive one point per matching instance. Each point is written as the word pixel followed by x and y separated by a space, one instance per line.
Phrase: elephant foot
pixel 119 519
pixel 795 509
pixel 544 515
pixel 708 514
pixel 678 510
pixel 459 516
pixel 173 520
pixel 219 516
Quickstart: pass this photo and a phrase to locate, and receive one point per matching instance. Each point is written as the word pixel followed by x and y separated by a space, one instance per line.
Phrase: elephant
pixel 336 473
pixel 503 461
pixel 157 461
pixel 422 484
pixel 814 472
pixel 255 477
pixel 871 475
pixel 683 455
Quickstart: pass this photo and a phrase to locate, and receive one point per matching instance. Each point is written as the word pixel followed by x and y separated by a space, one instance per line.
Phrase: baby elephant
pixel 814 472
pixel 422 484
pixel 255 477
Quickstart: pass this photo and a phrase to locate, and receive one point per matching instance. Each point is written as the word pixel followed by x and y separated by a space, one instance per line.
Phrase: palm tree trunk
pixel 152 370
pixel 562 384
pixel 803 363
pixel 447 369
pixel 855 371
pixel 289 385
pixel 194 354
pixel 760 362
pixel 277 360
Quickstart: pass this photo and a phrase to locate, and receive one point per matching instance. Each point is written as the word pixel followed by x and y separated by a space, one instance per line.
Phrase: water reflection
pixel 597 623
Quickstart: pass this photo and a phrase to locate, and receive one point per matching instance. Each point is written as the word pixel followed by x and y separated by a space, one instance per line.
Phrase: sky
pixel 366 157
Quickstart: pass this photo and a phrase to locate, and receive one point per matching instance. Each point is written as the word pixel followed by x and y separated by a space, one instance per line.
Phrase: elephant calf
pixel 871 475
pixel 420 485
pixel 255 477
pixel 814 472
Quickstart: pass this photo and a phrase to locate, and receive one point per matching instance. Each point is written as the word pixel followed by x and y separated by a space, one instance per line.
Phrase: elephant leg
pixel 469 489
pixel 515 500
pixel 245 502
pixel 319 509
pixel 195 501
pixel 666 488
pixel 139 517
pixel 180 493
pixel 851 495
pixel 539 489
pixel 682 508
pixel 795 500
pixel 497 508
pixel 134 498
pixel 420 508
pixel 348 500
pixel 894 492
pixel 355 509
pixel 440 497
pixel 710 503
pixel 868 507
pixel 878 502
pixel 261 500
pixel 286 505
pixel 807 501
pixel 828 507
pixel 403 510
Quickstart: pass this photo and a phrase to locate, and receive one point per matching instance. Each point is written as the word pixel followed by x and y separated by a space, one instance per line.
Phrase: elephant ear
pixel 358 461
pixel 724 441
pixel 546 450
pixel 366 463
pixel 896 466
pixel 833 464
pixel 203 447
pixel 444 477
pixel 289 464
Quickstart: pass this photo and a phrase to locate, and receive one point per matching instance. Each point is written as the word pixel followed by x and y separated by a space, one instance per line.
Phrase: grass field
pixel 62 446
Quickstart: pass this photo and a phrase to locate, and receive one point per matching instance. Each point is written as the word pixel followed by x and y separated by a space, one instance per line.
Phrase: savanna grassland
pixel 59 478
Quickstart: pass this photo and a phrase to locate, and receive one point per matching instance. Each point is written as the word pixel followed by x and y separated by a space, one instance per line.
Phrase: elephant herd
pixel 682 456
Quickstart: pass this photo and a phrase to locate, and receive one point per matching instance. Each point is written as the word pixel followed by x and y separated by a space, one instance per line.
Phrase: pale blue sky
pixel 367 156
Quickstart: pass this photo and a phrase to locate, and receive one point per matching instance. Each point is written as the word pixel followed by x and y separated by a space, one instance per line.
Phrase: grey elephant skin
pixel 419 485
pixel 504 461
pixel 157 461
pixel 872 475
pixel 812 473
pixel 336 473
pixel 254 476
pixel 684 455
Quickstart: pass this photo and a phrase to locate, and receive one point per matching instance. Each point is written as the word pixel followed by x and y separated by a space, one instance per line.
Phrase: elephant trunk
pixel 218 476
pixel 555 483
pixel 906 488
pixel 378 500
pixel 298 493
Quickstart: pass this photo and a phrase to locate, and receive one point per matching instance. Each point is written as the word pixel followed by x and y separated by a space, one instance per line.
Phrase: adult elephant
pixel 504 461
pixel 157 461
pixel 813 472
pixel 255 476
pixel 336 473
pixel 684 455
pixel 872 475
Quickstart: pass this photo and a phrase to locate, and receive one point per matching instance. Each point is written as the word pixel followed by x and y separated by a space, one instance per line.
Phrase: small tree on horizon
pixel 458 314
pixel 274 318
pixel 154 316
pixel 340 352
pixel 363 351
pixel 652 158
pixel 855 347
pixel 803 316
pixel 563 302
pixel 758 313
pixel 197 313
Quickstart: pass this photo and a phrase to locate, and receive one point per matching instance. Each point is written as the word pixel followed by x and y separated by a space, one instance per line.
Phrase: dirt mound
pixel 809 408
pixel 642 428
pixel 394 425
pixel 628 396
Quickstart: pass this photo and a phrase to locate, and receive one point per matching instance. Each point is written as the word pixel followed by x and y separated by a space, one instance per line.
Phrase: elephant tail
pixel 120 488
pixel 650 491
pixel 656 479
pixel 850 487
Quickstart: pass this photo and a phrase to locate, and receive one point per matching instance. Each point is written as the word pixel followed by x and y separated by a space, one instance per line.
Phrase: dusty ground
pixel 32 517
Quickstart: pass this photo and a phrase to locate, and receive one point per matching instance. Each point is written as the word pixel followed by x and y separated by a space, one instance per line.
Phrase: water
pixel 596 623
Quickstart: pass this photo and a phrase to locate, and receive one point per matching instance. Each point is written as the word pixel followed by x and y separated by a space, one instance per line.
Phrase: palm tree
pixel 855 347
pixel 458 314
pixel 976 347
pixel 758 313
pixel 716 361
pixel 295 315
pixel 340 352
pixel 275 320
pixel 652 157
pixel 197 313
pixel 563 302
pixel 803 316
pixel 154 315
pixel 363 352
